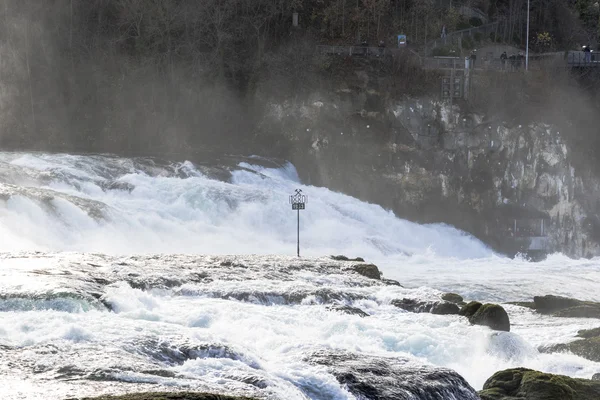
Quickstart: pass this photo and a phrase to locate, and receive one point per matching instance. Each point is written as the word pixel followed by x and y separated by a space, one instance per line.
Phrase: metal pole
pixel 527 48
pixel 298 233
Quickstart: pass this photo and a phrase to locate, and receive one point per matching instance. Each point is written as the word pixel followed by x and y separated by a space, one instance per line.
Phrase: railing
pixel 356 50
pixel 583 59
pixel 443 62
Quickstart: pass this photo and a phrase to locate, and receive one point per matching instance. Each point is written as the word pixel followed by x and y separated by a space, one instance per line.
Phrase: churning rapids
pixel 92 301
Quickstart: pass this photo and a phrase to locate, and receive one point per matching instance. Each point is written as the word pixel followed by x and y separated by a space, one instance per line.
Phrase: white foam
pixel 251 215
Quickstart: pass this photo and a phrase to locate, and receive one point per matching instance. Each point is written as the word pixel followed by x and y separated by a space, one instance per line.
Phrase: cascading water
pixel 114 314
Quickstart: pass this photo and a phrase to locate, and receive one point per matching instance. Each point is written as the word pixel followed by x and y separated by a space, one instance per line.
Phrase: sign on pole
pixel 298 202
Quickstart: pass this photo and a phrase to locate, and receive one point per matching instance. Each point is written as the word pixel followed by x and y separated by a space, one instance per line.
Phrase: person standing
pixel 503 58
pixel 473 58
pixel 587 53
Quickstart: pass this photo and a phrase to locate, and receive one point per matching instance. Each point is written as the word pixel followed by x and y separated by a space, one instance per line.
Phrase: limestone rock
pixel 169 396
pixel 348 310
pixel 493 316
pixel 368 270
pixel 453 298
pixel 344 258
pixel 470 309
pixel 527 384
pixel 589 333
pixel 585 348
pixel 417 306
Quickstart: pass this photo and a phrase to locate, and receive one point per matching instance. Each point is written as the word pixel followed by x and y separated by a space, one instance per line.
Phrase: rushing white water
pixel 120 207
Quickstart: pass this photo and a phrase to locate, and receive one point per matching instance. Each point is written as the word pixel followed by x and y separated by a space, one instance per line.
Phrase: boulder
pixel 527 384
pixel 169 396
pixel 596 377
pixel 493 316
pixel 589 333
pixel 582 311
pixel 453 298
pixel 344 258
pixel 445 308
pixel 550 304
pixel 368 270
pixel 586 348
pixel 470 309
pixel 433 307
pixel 566 307
pixel 397 378
pixel 390 282
pixel 348 310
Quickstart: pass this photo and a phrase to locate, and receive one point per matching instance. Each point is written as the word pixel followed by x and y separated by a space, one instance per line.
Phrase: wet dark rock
pixel 344 258
pixel 582 311
pixel 596 377
pixel 549 304
pixel 368 270
pixel 177 354
pixel 445 308
pixel 470 309
pixel 526 304
pixel 589 333
pixel 322 296
pixel 586 348
pixel 160 372
pixel 527 384
pixel 492 316
pixel 390 282
pixel 168 396
pixel 453 298
pixel 383 378
pixel 348 310
pixel 566 307
pixel 117 185
pixel 433 307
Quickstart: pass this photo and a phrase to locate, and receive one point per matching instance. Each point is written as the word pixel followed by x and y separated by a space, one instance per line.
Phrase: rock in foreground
pixel 527 384
pixel 387 378
pixel 588 348
pixel 168 396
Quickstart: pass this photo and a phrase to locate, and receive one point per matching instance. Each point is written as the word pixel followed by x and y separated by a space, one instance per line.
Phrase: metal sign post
pixel 298 202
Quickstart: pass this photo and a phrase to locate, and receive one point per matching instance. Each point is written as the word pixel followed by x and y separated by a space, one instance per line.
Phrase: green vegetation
pixel 493 316
pixel 142 75
pixel 526 384
pixel 470 309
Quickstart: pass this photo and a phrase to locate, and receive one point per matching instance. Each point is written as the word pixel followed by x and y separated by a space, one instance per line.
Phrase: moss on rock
pixel 566 307
pixel 169 396
pixel 527 384
pixel 470 309
pixel 453 298
pixel 493 316
pixel 344 258
pixel 589 333
pixel 368 270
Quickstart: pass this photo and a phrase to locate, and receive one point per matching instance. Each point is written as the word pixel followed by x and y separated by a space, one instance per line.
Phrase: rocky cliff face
pixel 511 184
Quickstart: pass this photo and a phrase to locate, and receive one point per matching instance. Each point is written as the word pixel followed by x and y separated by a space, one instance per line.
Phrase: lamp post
pixel 527 44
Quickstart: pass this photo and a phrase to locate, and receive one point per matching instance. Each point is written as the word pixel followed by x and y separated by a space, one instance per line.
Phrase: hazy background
pixel 175 76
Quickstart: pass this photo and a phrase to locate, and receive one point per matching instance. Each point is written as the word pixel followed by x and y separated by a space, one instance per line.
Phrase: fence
pixel 356 50
pixel 582 59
